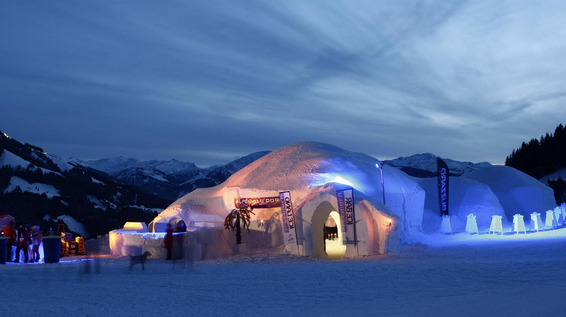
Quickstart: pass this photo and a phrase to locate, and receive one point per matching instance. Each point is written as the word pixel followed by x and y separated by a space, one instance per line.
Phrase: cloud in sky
pixel 207 82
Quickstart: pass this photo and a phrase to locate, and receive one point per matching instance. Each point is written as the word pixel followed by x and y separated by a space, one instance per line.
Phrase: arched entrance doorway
pixel 325 245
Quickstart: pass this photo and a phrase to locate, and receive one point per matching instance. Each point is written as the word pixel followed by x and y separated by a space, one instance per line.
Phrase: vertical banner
pixel 289 227
pixel 443 186
pixel 345 199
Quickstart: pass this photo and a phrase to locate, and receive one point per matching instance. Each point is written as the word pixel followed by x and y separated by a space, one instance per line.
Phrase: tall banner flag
pixel 443 186
pixel 289 227
pixel 345 199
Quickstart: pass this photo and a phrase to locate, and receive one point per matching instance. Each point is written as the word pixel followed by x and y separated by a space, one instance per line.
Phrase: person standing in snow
pixel 36 241
pixel 24 239
pixel 168 241
pixel 10 232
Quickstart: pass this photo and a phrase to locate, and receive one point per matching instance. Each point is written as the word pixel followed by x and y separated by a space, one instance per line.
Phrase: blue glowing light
pixel 327 178
pixel 341 180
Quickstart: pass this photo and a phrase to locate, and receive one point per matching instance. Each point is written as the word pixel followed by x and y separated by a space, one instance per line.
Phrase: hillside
pixel 544 159
pixel 38 188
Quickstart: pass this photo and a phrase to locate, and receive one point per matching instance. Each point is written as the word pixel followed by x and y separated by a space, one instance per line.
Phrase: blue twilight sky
pixel 209 81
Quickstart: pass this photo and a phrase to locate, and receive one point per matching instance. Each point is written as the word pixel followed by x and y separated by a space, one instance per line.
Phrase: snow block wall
pixel 196 245
pixel 405 198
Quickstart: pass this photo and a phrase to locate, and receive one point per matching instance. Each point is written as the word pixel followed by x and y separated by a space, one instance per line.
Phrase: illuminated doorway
pixel 327 233
pixel 334 241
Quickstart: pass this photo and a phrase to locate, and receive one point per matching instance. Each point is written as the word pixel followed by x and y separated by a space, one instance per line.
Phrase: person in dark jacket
pixel 24 240
pixel 168 241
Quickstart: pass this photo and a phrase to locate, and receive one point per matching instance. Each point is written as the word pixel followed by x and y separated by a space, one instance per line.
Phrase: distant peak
pixel 414 164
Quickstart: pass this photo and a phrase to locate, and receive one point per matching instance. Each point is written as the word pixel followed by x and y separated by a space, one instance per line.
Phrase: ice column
pixel 519 223
pixel 446 228
pixel 496 225
pixel 536 222
pixel 558 216
pixel 550 221
pixel 471 224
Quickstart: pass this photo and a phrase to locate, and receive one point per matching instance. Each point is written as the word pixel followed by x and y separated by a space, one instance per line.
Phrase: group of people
pixel 25 238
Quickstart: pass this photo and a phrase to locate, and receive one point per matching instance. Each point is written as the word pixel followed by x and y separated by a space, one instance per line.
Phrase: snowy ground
pixel 459 275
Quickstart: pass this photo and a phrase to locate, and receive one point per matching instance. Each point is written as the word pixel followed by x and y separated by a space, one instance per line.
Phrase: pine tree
pixel 540 157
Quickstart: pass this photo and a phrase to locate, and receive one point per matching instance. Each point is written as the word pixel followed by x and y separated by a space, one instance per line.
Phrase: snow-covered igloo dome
pixel 311 173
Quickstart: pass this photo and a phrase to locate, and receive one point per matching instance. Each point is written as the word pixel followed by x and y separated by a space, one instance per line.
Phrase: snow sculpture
pixel 563 208
pixel 471 224
pixel 519 223
pixel 496 225
pixel 550 221
pixel 558 216
pixel 446 228
pixel 536 222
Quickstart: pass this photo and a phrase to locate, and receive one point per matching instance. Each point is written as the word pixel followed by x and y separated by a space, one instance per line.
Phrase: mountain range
pixel 424 165
pixel 167 179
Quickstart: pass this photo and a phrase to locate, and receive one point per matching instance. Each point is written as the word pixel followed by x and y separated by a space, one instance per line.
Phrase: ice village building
pixel 316 183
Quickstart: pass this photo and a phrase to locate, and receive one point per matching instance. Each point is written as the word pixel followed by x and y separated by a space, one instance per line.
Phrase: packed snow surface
pixel 457 275
pixel 9 159
pixel 35 188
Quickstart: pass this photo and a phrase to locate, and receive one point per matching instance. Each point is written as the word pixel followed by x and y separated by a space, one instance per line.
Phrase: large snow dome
pixel 312 173
pixel 485 192
pixel 518 193
pixel 466 197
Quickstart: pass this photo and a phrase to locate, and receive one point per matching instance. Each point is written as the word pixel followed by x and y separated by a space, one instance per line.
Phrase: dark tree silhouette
pixel 541 157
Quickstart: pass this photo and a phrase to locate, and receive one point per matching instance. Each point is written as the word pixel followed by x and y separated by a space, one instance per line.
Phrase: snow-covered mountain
pixel 167 179
pixel 39 188
pixel 424 165
pixel 114 166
